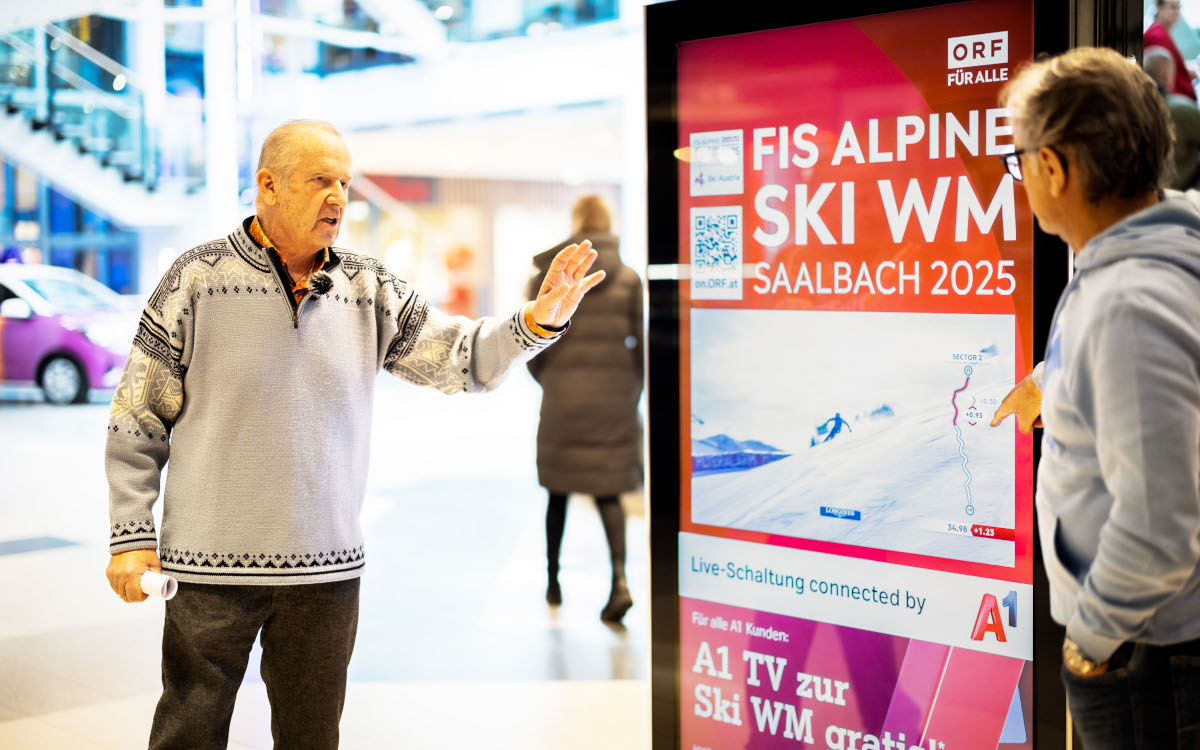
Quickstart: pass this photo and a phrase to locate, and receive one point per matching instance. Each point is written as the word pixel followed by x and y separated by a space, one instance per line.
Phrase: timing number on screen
pixel 983 278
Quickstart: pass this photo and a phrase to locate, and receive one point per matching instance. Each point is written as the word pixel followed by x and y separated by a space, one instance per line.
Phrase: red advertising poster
pixel 856 539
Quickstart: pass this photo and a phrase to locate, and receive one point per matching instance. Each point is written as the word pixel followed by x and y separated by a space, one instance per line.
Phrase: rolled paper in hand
pixel 159 585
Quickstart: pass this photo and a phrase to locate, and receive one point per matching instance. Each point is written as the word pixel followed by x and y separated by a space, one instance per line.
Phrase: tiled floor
pixel 456 646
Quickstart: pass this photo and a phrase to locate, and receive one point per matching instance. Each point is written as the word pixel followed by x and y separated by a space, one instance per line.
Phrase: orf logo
pixel 977 50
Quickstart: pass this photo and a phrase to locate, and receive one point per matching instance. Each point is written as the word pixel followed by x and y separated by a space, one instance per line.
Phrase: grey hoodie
pixel 1118 493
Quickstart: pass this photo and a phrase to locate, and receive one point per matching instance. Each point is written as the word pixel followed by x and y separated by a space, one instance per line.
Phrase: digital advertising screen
pixel 855 538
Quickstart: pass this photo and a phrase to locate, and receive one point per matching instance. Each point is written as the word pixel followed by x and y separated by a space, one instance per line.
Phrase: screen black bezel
pixel 667 25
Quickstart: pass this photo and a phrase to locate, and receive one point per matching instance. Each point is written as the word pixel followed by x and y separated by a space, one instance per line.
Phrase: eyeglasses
pixel 1012 162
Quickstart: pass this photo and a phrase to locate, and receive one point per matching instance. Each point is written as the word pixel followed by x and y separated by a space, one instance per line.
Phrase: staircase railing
pixel 63 86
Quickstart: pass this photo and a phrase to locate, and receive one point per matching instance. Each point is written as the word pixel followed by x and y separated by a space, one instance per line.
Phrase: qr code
pixel 717 239
pixel 716 252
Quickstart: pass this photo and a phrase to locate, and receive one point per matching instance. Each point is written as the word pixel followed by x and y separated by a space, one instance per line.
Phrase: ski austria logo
pixel 716 162
pixel 987 51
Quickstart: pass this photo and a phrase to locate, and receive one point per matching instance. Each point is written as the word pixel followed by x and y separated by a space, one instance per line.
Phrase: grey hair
pixel 1105 110
pixel 280 155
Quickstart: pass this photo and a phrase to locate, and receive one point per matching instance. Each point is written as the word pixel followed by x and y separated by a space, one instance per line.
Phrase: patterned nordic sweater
pixel 265 413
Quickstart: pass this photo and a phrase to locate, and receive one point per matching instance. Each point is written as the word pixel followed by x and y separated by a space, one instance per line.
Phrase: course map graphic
pixel 867 429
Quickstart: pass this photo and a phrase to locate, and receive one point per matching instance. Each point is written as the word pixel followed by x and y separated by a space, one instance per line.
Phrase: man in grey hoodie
pixel 1118 492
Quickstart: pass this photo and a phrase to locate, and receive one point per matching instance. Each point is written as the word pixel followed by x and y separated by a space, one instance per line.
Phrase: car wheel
pixel 63 381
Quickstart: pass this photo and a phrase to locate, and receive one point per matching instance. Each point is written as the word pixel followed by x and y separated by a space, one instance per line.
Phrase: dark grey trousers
pixel 307 636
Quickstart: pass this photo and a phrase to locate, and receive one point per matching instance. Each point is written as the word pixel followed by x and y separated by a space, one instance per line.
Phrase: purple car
pixel 61 331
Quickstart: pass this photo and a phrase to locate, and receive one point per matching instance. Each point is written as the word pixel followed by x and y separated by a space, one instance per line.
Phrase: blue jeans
pixel 1148 699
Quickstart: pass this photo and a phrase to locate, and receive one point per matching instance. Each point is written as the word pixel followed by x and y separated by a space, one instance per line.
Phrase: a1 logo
pixel 989 620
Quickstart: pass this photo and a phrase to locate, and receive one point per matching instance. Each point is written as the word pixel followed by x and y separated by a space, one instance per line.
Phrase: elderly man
pixel 253 371
pixel 1118 493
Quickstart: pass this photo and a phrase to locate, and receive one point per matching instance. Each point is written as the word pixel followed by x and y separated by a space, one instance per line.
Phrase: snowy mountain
pixel 721 453
pixel 726 444
pixel 903 474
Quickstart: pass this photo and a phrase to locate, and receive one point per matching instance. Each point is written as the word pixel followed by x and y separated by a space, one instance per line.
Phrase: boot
pixel 612 515
pixel 619 601
pixel 553 592
pixel 556 519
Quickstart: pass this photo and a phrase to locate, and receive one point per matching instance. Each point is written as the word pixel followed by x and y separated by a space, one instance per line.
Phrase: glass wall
pixel 38 224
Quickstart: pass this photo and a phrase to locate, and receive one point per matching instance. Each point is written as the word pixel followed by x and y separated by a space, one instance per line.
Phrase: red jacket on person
pixel 1157 36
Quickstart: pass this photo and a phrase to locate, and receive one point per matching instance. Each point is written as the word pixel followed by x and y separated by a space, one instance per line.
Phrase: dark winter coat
pixel 589 436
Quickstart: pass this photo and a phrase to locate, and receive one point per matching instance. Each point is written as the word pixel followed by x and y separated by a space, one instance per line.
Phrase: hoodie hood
pixel 1169 231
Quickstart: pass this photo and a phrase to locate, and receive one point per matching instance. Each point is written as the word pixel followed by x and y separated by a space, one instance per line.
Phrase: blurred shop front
pixel 469 242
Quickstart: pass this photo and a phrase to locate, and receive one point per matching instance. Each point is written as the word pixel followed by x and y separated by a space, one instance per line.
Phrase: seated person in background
pixel 1184 116
pixel 1158 34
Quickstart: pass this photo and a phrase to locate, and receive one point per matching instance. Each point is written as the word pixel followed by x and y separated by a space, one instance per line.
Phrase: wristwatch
pixel 1078 662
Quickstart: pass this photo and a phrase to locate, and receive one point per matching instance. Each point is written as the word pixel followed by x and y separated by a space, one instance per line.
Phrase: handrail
pixel 38 57
pixel 87 113
pixel 88 52
pixel 85 50
pixel 24 48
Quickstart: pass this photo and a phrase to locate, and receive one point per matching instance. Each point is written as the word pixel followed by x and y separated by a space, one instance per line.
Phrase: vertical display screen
pixel 855 545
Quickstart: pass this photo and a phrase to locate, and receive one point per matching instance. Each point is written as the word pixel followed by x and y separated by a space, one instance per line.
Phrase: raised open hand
pixel 565 284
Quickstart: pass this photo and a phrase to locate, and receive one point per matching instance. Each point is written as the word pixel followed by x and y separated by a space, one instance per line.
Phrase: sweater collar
pixel 256 255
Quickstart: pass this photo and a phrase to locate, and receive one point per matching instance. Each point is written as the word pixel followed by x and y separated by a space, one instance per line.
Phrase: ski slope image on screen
pixel 860 428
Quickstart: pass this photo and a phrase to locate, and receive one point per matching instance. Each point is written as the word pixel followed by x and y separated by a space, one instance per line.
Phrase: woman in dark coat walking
pixel 589 436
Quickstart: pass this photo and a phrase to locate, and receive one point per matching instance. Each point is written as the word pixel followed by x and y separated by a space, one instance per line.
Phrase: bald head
pixel 286 146
pixel 302 179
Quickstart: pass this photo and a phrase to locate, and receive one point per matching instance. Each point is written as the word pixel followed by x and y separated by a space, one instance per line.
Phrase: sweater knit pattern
pixel 240 389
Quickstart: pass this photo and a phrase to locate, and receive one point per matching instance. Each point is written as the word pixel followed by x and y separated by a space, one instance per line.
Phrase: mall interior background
pixel 129 131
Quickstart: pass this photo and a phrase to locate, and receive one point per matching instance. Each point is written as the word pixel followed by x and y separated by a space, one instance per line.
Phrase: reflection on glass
pixel 71 296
